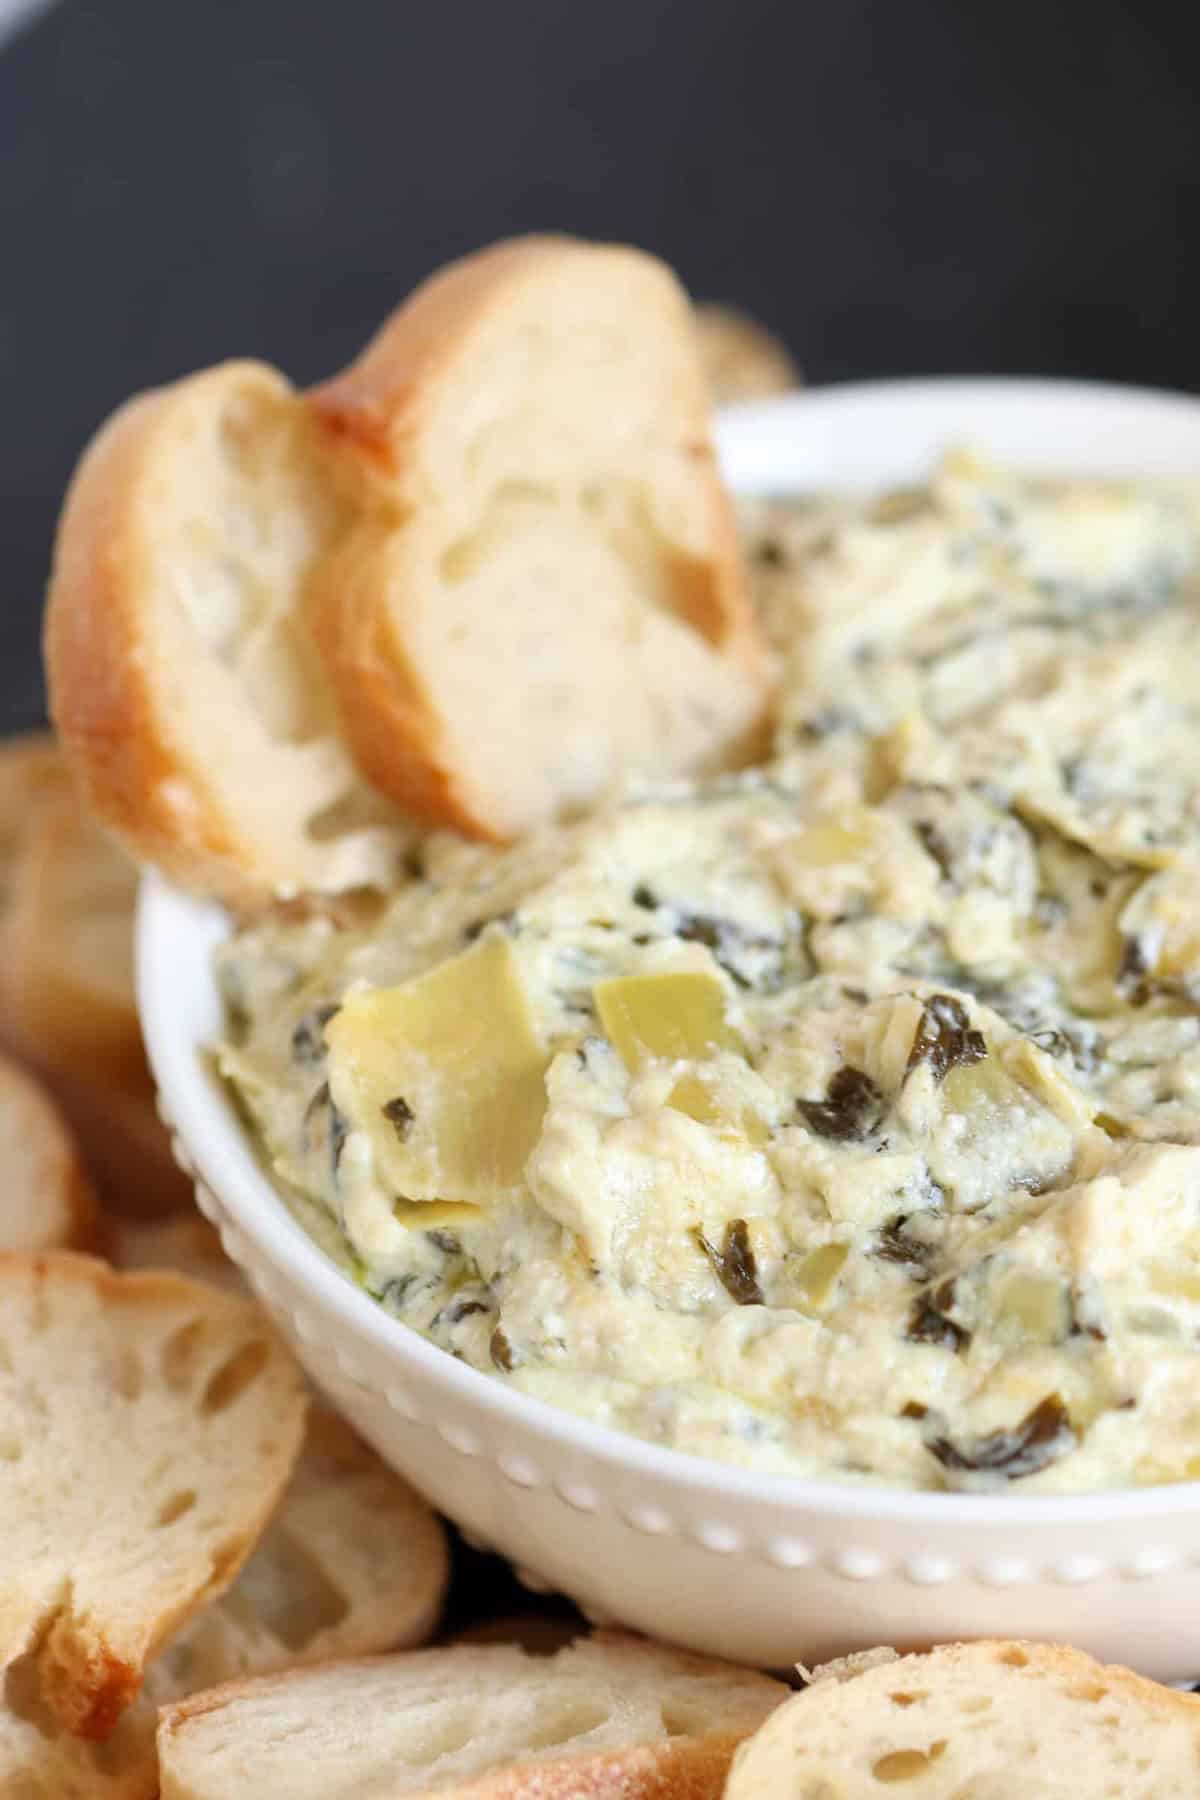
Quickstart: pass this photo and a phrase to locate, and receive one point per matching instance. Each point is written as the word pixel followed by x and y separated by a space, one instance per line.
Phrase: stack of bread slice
pixel 476 580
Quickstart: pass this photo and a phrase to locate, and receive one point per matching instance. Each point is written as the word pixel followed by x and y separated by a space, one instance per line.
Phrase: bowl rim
pixel 197 1107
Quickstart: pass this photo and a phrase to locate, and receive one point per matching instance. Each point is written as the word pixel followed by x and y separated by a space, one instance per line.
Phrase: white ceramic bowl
pixel 758 1568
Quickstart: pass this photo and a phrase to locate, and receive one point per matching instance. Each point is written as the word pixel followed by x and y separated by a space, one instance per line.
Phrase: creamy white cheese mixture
pixel 840 1118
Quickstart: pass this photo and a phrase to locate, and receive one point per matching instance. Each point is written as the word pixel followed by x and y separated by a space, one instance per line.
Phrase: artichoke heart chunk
pixel 446 1075
pixel 674 1016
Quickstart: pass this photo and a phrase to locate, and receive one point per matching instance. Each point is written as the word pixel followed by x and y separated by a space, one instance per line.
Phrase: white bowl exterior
pixel 756 1568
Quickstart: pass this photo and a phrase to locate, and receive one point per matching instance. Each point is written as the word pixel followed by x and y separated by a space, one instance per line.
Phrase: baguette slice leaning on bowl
pixel 149 1425
pixel 987 1720
pixel 605 1715
pixel 503 526
pixel 186 691
pixel 542 591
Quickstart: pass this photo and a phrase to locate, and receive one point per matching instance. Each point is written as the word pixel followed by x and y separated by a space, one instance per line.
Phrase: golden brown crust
pixel 105 695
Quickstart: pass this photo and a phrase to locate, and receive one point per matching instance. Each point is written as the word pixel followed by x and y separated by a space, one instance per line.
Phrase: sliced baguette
pixel 67 1005
pixel 742 360
pixel 986 1720
pixel 351 1563
pixel 542 591
pixel 354 1562
pixel 47 1201
pixel 606 1715
pixel 148 1426
pixel 66 946
pixel 181 674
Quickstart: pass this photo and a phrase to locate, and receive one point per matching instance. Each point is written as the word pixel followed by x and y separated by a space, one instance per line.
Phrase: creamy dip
pixel 838 1118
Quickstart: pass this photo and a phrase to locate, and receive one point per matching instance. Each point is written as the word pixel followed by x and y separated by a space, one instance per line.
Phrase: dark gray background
pixel 895 185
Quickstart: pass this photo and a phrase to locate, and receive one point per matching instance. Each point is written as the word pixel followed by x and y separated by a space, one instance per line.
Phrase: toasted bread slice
pixel 354 1562
pixel 987 1720
pixel 47 1201
pixel 66 946
pixel 606 1715
pixel 181 674
pixel 148 1427
pixel 742 360
pixel 541 592
pixel 351 1563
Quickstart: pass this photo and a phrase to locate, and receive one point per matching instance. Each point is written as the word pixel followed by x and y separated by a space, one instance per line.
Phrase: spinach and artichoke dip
pixel 836 1118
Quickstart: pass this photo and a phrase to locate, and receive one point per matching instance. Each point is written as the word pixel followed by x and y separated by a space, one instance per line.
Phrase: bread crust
pixel 103 695
pixel 686 1766
pixel 884 1702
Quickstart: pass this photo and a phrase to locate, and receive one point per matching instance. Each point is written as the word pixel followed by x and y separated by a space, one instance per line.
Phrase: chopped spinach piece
pixel 1043 1435
pixel 935 846
pixel 459 1309
pixel 478 926
pixel 895 1246
pixel 322 1102
pixel 308 1037
pixel 1136 962
pixel 399 1115
pixel 394 1292
pixel 930 1321
pixel 734 1264
pixel 945 1038
pixel 445 1241
pixel 645 897
pixel 823 724
pixel 851 1110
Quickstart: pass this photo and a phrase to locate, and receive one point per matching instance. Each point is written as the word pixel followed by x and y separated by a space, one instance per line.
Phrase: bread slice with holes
pixel 742 360
pixel 182 675
pixel 47 1201
pixel 606 1715
pixel 541 593
pixel 351 1562
pixel 985 1720
pixel 148 1425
